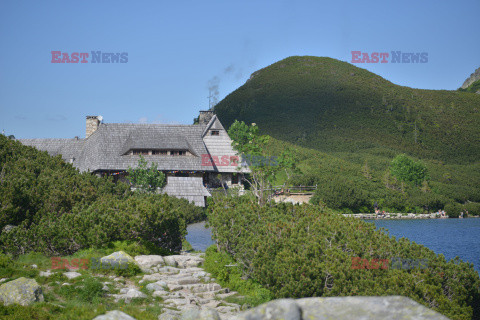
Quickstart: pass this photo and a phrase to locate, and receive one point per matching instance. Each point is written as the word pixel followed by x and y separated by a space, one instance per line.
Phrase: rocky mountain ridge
pixel 473 77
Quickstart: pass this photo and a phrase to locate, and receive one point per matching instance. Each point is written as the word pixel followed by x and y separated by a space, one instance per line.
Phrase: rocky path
pixel 182 284
pixel 186 291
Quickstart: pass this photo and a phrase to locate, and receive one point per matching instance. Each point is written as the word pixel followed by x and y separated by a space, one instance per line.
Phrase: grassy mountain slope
pixel 333 106
pixel 346 124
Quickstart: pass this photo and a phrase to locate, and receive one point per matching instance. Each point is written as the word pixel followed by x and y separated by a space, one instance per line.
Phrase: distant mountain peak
pixel 473 77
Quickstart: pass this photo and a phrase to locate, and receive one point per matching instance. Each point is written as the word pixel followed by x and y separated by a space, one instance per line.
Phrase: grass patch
pixel 253 293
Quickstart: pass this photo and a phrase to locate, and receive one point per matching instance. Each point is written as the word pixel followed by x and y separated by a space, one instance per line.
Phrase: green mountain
pixel 346 125
pixel 333 106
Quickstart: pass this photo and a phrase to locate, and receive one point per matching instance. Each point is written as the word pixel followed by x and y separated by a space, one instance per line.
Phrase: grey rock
pixel 8 228
pixel 342 308
pixel 114 315
pixel 200 314
pixel 187 261
pixel 119 258
pixel 72 274
pixel 128 294
pixel 146 263
pixel 168 270
pixel 21 291
pixel 156 286
pixel 47 273
pixel 473 77
pixel 375 308
pixel 170 261
pixel 285 309
pixel 160 293
pixel 151 277
pixel 134 293
pixel 169 314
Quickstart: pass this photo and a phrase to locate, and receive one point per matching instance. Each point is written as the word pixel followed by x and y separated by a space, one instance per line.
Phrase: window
pixel 137 152
pixel 140 152
pixel 214 132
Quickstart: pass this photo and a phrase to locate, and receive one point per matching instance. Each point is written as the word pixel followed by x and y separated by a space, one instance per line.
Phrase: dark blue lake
pixel 450 237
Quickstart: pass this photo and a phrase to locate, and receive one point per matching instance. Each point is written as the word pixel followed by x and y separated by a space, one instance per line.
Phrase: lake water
pixel 198 236
pixel 450 237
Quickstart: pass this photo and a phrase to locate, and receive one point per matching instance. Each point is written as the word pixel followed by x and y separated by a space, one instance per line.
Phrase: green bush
pixel 473 208
pixel 33 183
pixel 153 221
pixel 223 267
pixel 6 266
pixel 342 194
pixel 305 251
pixel 453 209
pixel 408 170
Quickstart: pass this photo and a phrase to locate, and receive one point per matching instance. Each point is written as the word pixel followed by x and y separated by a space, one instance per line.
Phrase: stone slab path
pixel 182 284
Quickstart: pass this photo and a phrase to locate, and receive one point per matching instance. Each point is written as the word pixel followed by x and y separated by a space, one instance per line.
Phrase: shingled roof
pixel 106 148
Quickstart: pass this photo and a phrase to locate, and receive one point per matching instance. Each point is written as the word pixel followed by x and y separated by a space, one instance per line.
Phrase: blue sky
pixel 177 48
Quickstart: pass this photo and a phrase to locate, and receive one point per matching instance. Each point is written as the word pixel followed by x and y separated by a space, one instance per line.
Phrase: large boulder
pixel 117 259
pixel 285 309
pixel 146 263
pixel 21 291
pixel 183 261
pixel 342 308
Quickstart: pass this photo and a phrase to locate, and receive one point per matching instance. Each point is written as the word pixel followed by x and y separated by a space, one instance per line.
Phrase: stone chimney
pixel 205 117
pixel 92 124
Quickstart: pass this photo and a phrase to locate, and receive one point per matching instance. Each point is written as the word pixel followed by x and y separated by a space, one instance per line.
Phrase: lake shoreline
pixel 399 216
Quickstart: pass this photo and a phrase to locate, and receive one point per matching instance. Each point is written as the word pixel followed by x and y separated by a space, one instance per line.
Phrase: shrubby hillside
pixel 353 182
pixel 47 206
pixel 333 106
pixel 346 125
pixel 306 251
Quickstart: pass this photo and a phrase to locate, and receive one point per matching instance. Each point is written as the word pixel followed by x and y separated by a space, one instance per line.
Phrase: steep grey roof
pixel 137 141
pixel 67 148
pixel 190 188
pixel 105 148
pixel 185 186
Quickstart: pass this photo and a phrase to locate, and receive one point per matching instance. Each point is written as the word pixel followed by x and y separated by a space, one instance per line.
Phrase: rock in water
pixel 21 291
pixel 114 315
